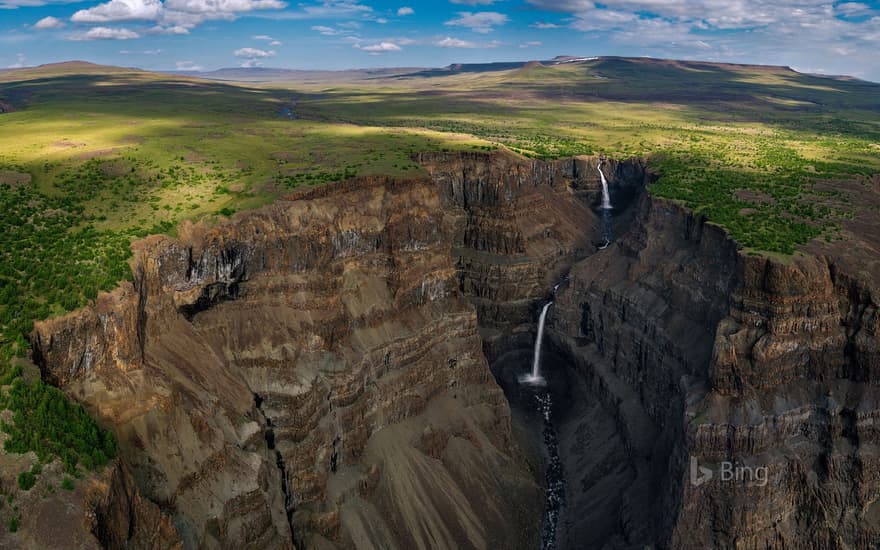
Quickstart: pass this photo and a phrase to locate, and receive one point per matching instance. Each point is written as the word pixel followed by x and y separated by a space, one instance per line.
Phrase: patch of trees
pixel 47 422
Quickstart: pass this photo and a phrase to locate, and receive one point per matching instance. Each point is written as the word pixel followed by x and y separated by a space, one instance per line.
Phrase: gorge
pixel 342 369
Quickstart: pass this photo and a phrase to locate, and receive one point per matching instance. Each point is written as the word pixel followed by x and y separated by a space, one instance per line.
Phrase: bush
pixel 13 524
pixel 26 480
pixel 67 484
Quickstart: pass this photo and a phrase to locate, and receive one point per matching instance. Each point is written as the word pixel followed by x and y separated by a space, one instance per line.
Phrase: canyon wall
pixel 317 373
pixel 306 374
pixel 520 225
pixel 692 353
pixel 678 347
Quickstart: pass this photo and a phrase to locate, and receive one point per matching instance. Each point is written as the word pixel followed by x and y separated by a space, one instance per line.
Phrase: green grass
pixel 94 158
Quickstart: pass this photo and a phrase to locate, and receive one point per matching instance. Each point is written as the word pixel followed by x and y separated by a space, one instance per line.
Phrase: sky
pixel 808 35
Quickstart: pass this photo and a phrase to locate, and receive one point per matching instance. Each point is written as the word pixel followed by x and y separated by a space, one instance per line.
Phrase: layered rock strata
pixel 313 373
pixel 305 374
pixel 694 354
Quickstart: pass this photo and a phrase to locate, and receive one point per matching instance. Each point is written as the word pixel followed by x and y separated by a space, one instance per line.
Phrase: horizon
pixel 423 67
pixel 810 36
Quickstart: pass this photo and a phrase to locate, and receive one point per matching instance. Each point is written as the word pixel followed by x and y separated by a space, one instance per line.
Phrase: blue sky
pixel 809 35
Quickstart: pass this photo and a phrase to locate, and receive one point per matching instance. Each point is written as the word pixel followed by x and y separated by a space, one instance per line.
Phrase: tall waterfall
pixel 606 209
pixel 535 377
pixel 606 198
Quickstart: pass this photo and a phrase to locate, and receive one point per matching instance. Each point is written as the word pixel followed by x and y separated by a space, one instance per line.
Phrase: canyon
pixel 340 369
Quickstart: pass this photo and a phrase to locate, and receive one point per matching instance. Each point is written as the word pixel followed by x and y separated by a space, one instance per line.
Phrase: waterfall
pixel 606 198
pixel 606 209
pixel 535 378
pixel 554 476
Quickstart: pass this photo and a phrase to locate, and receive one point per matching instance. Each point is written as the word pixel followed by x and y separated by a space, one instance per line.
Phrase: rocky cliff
pixel 520 225
pixel 690 354
pixel 307 374
pixel 317 373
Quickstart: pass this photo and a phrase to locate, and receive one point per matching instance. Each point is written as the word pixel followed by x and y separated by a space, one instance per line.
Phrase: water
pixel 606 209
pixel 534 378
pixel 606 197
pixel 554 476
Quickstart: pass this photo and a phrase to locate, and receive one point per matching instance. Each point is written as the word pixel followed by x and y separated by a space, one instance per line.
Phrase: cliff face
pixel 692 354
pixel 317 373
pixel 305 374
pixel 520 225
pixel 793 389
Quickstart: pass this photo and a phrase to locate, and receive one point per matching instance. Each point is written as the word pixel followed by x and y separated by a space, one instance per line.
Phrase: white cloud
pixel 450 42
pixel 188 66
pixel 543 25
pixel 405 11
pixel 171 29
pixel 120 10
pixel 253 53
pixel 481 22
pixel 140 52
pixel 14 4
pixel 105 33
pixel 172 16
pixel 380 47
pixel 531 44
pixel 210 7
pixel 474 2
pixel 275 43
pixel 328 9
pixel 252 56
pixel 326 31
pixel 49 23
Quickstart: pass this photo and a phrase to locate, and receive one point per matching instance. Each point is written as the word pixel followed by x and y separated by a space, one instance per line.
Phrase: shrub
pixel 26 480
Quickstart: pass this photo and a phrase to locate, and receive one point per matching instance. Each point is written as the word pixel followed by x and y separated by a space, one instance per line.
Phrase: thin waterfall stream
pixel 606 208
pixel 534 378
pixel 554 478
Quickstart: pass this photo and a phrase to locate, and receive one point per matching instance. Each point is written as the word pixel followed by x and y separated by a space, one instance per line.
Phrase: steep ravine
pixel 318 372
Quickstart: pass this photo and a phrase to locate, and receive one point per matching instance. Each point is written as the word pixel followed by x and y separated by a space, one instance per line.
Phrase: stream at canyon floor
pixel 554 478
